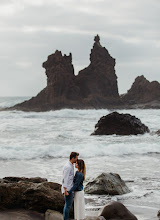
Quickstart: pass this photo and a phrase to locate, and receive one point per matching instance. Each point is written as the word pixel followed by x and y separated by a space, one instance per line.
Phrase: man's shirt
pixel 68 176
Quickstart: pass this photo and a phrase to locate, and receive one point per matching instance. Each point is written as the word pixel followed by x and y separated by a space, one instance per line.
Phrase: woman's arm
pixel 78 179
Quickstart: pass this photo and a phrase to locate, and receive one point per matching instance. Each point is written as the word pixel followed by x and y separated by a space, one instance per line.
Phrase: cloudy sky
pixel 30 30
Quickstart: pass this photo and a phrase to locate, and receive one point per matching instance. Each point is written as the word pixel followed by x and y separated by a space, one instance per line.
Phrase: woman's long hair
pixel 81 167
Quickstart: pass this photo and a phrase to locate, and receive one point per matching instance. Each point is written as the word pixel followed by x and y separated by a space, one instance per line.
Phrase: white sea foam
pixel 26 135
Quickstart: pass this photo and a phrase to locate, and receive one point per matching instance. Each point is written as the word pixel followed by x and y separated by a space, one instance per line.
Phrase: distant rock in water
pixel 107 183
pixel 119 124
pixel 158 132
pixel 94 86
pixel 142 91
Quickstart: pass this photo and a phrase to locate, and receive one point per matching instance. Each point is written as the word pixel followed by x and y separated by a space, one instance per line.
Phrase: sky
pixel 30 30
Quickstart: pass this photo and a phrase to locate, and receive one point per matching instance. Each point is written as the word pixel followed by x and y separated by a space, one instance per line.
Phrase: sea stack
pixel 142 91
pixel 94 86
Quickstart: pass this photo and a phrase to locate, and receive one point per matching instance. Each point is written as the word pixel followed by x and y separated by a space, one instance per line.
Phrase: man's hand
pixel 65 192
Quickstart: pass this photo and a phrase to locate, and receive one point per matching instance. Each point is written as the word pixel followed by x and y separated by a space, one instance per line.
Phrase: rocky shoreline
pixel 36 198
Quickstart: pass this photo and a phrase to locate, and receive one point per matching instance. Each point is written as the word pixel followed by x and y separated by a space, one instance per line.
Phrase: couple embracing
pixel 72 187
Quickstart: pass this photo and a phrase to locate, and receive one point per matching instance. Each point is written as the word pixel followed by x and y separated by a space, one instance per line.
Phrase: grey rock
pixel 53 215
pixel 107 183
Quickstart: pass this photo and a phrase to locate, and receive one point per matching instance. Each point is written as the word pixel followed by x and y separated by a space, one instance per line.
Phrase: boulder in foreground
pixel 119 124
pixel 107 183
pixel 30 193
pixel 116 211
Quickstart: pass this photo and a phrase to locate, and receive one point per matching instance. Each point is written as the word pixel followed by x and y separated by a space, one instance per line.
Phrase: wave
pixel 11 101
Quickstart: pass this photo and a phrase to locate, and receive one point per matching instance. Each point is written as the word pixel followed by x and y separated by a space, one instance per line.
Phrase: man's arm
pixel 65 179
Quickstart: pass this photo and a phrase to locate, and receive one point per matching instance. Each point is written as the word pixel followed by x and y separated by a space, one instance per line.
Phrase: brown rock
pixel 30 193
pixel 116 211
pixel 98 82
pixel 93 87
pixel 21 214
pixel 119 124
pixel 142 91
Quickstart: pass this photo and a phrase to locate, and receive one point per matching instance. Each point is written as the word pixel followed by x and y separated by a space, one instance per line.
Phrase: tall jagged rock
pixel 61 91
pixel 142 91
pixel 98 82
pixel 93 87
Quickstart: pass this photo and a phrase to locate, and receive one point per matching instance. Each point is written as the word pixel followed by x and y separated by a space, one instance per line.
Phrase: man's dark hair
pixel 73 154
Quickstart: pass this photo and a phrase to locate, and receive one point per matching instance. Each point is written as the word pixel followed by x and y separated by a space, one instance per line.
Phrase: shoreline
pixel 141 212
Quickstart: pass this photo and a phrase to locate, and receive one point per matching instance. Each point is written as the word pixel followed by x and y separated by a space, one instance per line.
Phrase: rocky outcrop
pixel 94 86
pixel 30 193
pixel 142 91
pixel 116 211
pixel 158 214
pixel 119 124
pixel 107 183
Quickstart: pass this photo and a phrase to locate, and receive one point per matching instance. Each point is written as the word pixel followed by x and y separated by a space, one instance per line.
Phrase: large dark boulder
pixel 119 124
pixel 94 86
pixel 107 183
pixel 116 211
pixel 30 193
pixel 142 91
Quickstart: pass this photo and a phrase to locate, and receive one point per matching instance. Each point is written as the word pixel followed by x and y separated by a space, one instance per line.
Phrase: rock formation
pixel 142 91
pixel 107 183
pixel 116 210
pixel 30 193
pixel 94 86
pixel 119 124
pixel 98 82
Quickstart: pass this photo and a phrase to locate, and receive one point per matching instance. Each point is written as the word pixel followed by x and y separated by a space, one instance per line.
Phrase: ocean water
pixel 38 144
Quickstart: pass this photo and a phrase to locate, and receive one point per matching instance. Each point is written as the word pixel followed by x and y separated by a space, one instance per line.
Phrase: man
pixel 67 183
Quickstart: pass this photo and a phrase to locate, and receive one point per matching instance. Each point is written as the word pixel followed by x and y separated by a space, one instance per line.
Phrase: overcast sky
pixel 30 30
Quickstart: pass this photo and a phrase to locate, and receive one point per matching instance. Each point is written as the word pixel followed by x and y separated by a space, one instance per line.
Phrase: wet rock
pixel 116 211
pixel 107 183
pixel 39 195
pixel 119 124
pixel 158 214
pixel 142 91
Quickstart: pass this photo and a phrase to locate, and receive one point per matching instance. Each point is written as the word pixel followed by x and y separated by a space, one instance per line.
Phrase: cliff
pixel 94 86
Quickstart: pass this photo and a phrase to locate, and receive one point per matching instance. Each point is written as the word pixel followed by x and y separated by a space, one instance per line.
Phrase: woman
pixel 79 204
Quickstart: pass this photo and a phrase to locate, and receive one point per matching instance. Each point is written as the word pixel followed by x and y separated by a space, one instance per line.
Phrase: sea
pixel 39 144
